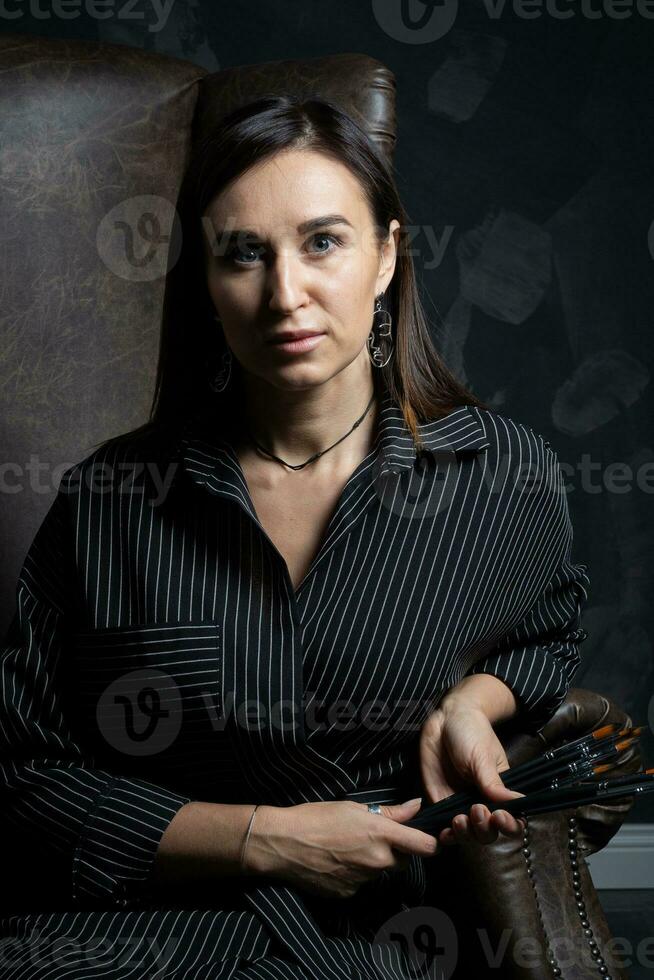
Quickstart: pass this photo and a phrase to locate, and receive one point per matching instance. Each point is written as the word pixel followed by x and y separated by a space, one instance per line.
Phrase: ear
pixel 388 257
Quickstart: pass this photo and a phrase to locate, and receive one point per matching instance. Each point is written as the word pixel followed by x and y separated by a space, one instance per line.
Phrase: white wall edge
pixel 627 861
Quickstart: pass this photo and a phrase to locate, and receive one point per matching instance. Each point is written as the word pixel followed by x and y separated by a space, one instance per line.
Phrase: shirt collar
pixel 209 459
pixel 459 431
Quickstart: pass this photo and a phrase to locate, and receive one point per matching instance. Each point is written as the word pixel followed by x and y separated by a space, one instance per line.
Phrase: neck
pixel 296 424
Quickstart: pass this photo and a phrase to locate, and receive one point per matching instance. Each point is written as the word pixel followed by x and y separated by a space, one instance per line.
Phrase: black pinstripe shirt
pixel 160 654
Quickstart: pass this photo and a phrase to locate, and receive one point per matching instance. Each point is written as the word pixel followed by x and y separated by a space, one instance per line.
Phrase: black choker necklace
pixel 299 466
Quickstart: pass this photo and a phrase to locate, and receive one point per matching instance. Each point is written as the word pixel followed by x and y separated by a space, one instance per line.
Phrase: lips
pixel 282 338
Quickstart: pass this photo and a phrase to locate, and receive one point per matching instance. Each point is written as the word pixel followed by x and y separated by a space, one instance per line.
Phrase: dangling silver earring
pixel 221 379
pixel 380 341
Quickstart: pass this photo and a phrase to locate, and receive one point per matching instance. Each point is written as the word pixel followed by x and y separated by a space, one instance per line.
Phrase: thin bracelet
pixel 247 835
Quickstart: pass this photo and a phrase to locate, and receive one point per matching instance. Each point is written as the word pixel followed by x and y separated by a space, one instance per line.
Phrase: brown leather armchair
pixel 87 130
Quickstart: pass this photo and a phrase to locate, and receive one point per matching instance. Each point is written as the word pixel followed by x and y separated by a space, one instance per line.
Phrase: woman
pixel 312 584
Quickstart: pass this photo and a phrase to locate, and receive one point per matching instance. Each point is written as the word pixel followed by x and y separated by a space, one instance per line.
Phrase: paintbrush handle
pixel 432 821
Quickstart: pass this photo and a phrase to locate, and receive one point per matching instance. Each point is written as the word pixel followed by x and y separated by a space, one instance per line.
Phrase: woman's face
pixel 278 276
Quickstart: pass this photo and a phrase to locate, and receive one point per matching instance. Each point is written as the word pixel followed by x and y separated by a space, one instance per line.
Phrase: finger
pixel 482 828
pixel 461 827
pixel 435 780
pixel 397 812
pixel 448 836
pixel 435 783
pixel 407 839
pixel 413 842
pixel 487 775
pixel 400 811
pixel 507 824
pixel 491 785
pixel 436 790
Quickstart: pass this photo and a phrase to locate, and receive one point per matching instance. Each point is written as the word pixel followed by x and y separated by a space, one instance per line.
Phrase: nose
pixel 286 283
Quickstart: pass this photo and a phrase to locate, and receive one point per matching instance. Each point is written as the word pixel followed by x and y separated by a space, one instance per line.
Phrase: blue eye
pixel 331 238
pixel 235 250
pixel 258 250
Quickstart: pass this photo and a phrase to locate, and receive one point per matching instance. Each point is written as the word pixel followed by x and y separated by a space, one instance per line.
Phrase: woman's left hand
pixel 459 750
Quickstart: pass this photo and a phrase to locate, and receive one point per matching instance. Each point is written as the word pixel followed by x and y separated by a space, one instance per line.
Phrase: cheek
pixel 215 291
pixel 357 277
pixel 221 290
pixel 352 315
pixel 236 302
pixel 357 303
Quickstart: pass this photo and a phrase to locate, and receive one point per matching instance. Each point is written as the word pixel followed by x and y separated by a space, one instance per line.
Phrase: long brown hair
pixel 190 343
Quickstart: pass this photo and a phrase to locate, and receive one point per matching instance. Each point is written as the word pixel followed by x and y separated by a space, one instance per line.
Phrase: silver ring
pixel 375 808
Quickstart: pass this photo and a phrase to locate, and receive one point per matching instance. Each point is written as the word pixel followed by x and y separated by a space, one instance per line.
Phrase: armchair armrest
pixel 527 909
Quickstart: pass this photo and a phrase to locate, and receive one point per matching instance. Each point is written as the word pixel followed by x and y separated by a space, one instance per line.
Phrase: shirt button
pixel 122 899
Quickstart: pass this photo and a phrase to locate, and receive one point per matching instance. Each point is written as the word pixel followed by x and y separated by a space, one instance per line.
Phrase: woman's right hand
pixel 332 848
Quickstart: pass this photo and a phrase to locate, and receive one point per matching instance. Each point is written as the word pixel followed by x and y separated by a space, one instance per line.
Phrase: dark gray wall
pixel 524 159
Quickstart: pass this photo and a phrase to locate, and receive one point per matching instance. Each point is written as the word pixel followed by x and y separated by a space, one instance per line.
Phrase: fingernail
pixel 418 799
pixel 477 813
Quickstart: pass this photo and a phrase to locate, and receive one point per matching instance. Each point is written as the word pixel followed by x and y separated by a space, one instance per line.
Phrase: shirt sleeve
pixel 105 827
pixel 539 656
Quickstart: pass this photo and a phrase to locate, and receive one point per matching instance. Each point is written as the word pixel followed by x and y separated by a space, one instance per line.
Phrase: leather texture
pixel 362 86
pixel 83 127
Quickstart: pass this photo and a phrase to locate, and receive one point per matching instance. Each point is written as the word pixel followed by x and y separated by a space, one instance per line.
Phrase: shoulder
pixel 520 464
pixel 109 465
pixel 505 434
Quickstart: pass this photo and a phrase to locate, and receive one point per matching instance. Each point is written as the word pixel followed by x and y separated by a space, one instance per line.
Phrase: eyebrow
pixel 324 221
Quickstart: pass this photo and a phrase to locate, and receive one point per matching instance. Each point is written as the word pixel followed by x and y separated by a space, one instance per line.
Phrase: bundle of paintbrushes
pixel 569 776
